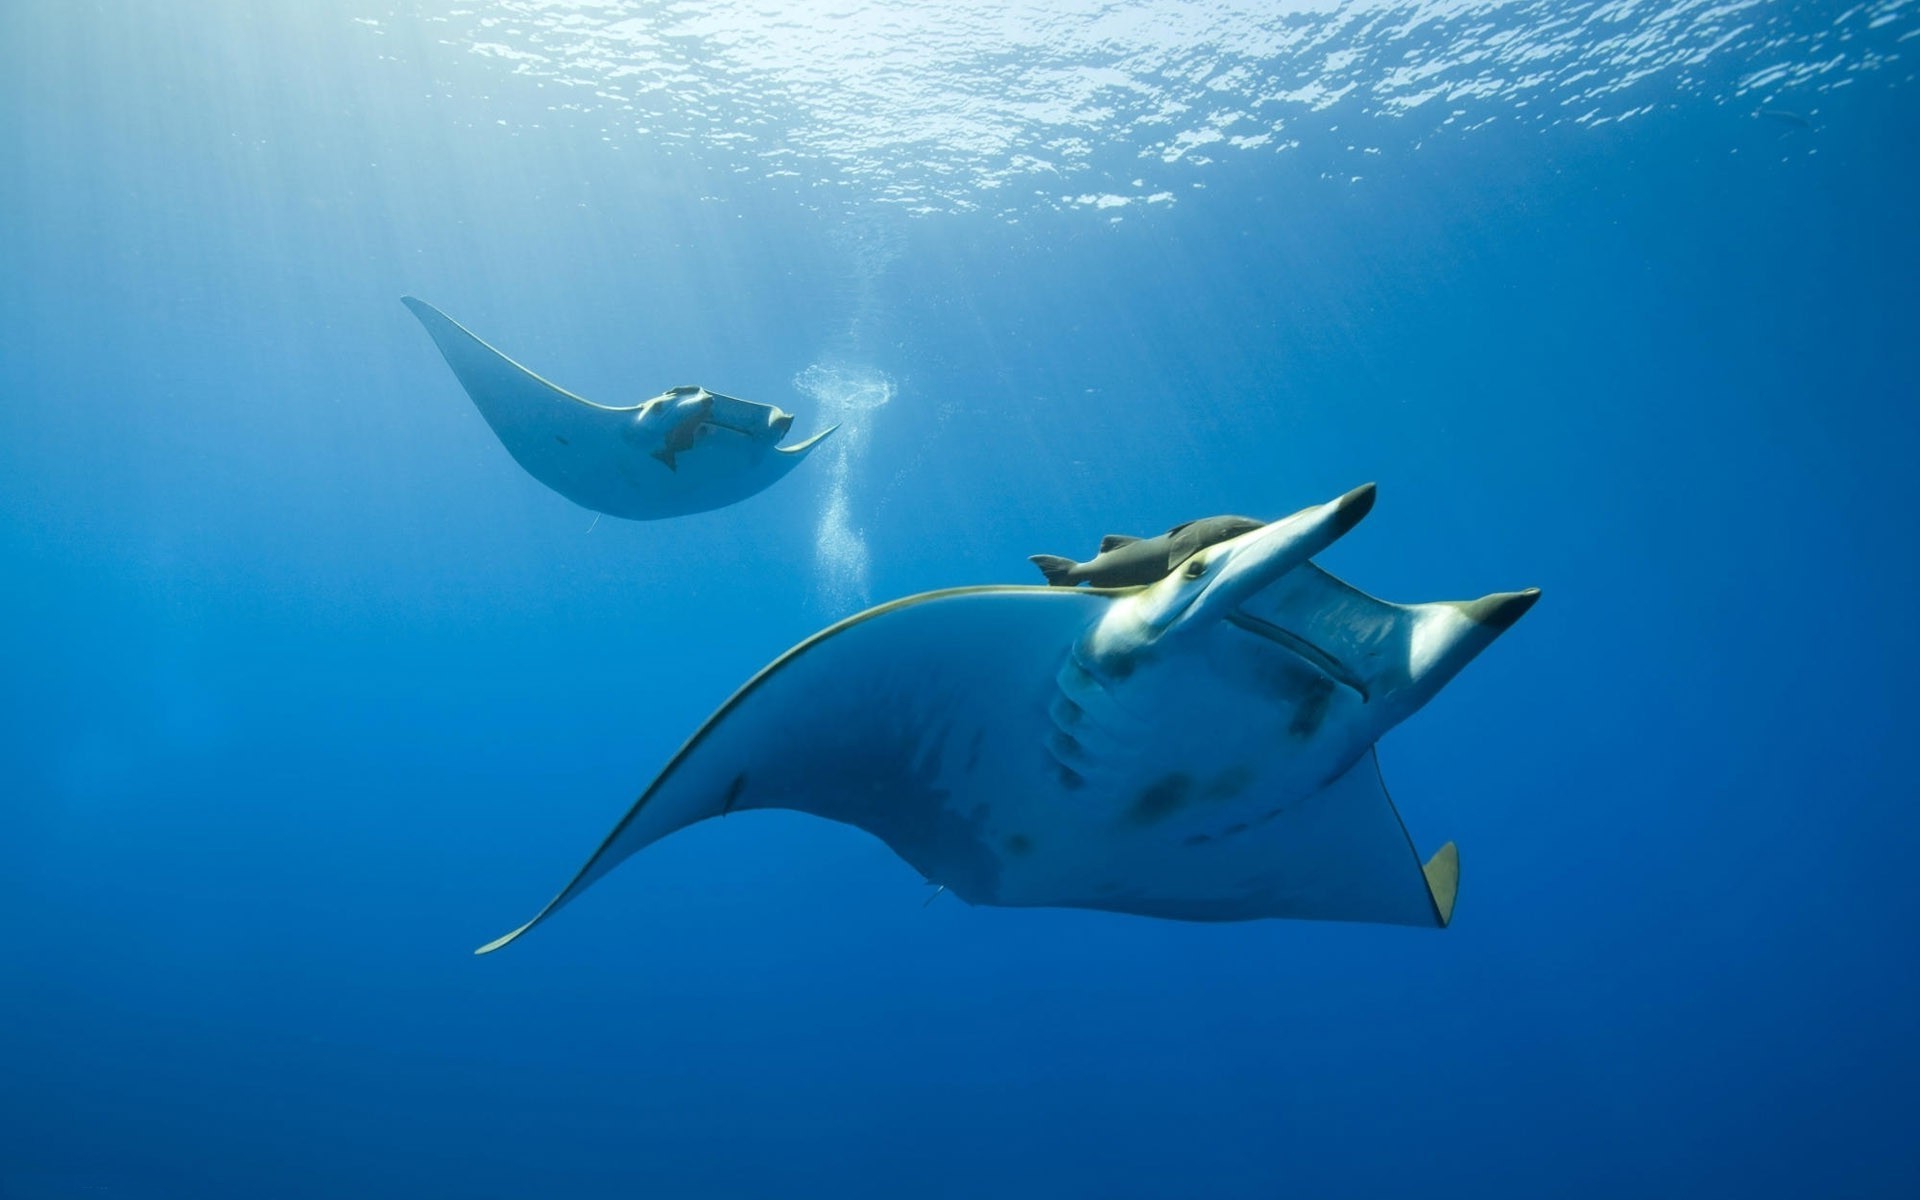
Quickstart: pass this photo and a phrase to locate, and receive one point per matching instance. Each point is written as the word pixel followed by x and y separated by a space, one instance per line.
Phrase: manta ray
pixel 1201 748
pixel 686 450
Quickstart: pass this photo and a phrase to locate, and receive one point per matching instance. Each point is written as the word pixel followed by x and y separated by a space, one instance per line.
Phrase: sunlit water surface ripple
pixel 1105 104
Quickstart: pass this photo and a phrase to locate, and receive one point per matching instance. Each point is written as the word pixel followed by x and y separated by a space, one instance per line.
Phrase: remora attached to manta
pixel 687 450
pixel 1201 748
pixel 1125 561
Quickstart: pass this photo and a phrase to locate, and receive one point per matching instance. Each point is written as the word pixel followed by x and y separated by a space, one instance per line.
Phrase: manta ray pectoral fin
pixel 1443 880
pixel 1351 858
pixel 1114 541
pixel 504 938
pixel 507 394
pixel 810 443
pixel 857 724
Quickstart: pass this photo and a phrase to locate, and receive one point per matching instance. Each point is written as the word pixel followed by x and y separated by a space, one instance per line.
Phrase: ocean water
pixel 308 689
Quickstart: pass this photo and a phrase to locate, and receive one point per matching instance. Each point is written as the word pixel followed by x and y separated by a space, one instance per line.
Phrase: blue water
pixel 308 690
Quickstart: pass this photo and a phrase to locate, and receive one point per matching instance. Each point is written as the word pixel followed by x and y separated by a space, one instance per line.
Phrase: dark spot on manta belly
pixel 1229 783
pixel 561 440
pixel 1312 712
pixel 1161 798
pixel 1018 843
pixel 1070 779
pixel 734 789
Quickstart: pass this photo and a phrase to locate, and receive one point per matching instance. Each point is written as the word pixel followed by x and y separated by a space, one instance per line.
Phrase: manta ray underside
pixel 1201 748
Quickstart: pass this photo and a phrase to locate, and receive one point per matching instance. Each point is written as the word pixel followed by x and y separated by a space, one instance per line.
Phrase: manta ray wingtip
pixel 810 443
pixel 503 939
pixel 1443 881
pixel 1500 610
pixel 1352 507
pixel 427 314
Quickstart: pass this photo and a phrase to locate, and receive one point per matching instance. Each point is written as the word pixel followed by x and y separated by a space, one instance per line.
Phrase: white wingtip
pixel 1443 881
pixel 810 443
pixel 502 940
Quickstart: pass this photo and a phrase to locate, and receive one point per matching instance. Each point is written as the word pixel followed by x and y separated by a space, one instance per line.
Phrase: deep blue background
pixel 307 690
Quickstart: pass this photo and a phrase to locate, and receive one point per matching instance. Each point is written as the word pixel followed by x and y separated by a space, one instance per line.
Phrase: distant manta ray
pixel 1201 748
pixel 687 450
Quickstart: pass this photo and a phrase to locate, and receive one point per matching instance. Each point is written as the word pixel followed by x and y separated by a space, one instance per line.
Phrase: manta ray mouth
pixel 1301 649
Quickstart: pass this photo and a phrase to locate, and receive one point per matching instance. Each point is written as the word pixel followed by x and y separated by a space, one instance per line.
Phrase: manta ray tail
pixel 1054 568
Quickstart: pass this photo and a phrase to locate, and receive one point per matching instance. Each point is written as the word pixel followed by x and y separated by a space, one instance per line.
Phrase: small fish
pixel 1125 561
pixel 1784 117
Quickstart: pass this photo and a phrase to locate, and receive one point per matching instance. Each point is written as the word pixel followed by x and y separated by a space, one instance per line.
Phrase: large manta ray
pixel 1200 748
pixel 687 450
